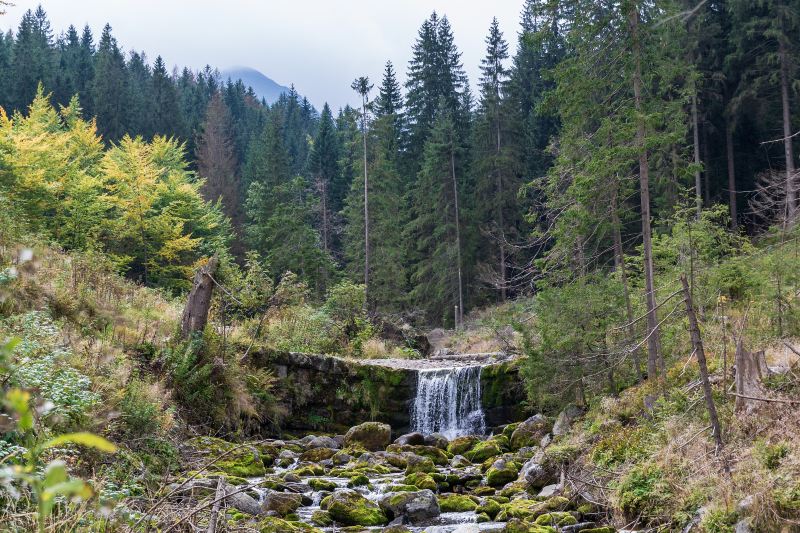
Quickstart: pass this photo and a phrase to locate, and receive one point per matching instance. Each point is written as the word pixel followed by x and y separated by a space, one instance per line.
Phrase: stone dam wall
pixel 331 394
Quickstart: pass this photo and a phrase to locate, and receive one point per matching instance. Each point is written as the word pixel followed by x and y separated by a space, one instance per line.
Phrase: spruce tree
pixel 141 104
pixel 323 167
pixel 110 95
pixel 168 119
pixel 33 59
pixel 216 161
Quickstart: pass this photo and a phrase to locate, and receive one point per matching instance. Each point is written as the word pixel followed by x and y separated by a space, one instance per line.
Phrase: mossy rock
pixel 396 460
pixel 484 491
pixel 419 464
pixel 461 445
pixel 315 455
pixel 395 529
pixel 483 450
pixel 283 503
pixel 372 436
pixel 271 524
pixel 604 529
pixel 517 525
pixel 529 432
pixel 532 509
pixel 557 518
pixel 512 489
pixel 244 461
pixel 352 509
pixel 358 481
pixel 322 484
pixel 489 507
pixel 421 480
pixel 456 503
pixel 309 470
pixel 502 472
pixel 437 455
pixel 509 429
pixel 481 518
pixel 402 488
pixel 321 518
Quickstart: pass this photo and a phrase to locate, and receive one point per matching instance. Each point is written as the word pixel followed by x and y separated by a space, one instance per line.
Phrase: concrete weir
pixel 452 394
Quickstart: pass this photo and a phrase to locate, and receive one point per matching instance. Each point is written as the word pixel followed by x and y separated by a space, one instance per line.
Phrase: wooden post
pixel 195 314
pixel 697 344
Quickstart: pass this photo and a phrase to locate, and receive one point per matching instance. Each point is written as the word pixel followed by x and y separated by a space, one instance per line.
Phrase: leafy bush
pixel 643 492
pixel 770 455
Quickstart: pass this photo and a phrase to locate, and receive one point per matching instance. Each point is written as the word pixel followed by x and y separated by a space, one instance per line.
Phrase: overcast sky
pixel 319 45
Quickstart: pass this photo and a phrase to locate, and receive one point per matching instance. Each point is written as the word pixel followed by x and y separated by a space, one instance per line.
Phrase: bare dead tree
pixel 198 303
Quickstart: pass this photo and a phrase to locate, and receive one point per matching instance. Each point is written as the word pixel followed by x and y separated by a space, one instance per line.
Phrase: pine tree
pixel 324 170
pixel 437 273
pixel 390 103
pixel 33 59
pixel 65 84
pixel 110 91
pixel 141 104
pixel 362 86
pixel 494 168
pixel 6 54
pixel 167 111
pixel 85 71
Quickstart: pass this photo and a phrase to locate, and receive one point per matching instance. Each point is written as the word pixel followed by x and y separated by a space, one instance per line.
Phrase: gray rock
pixel 743 526
pixel 438 440
pixel 283 503
pixel 530 432
pixel 324 442
pixel 372 436
pixel 578 527
pixel 536 473
pixel 467 528
pixel 413 439
pixel 744 506
pixel 459 461
pixel 549 491
pixel 565 419
pixel 546 440
pixel 416 506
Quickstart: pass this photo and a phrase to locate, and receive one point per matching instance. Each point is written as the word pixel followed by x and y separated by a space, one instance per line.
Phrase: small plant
pixel 770 455
pixel 644 492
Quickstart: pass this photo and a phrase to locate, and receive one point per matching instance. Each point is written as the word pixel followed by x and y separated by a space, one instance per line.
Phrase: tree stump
pixel 751 368
pixel 195 314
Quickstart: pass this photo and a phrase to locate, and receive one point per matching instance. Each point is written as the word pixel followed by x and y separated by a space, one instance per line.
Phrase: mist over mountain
pixel 264 87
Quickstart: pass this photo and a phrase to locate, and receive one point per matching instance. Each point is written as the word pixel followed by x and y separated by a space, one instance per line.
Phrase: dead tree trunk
pixel 697 344
pixel 791 189
pixel 751 368
pixel 731 174
pixel 195 314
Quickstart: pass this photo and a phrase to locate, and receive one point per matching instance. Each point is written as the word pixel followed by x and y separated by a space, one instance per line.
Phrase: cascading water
pixel 448 401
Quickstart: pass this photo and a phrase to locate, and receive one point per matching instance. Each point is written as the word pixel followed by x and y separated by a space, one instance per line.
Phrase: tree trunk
pixel 791 192
pixel 212 521
pixel 500 218
pixel 654 360
pixel 195 314
pixel 619 266
pixel 749 376
pixel 458 234
pixel 698 194
pixel 731 174
pixel 697 344
pixel 366 205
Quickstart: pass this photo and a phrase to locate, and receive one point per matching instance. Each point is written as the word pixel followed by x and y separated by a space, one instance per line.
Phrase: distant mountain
pixel 264 87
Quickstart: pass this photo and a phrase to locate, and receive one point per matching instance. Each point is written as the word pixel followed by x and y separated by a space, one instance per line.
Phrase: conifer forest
pixel 560 296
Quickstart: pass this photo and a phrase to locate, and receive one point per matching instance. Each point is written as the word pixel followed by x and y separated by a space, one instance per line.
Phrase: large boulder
pixel 282 503
pixel 457 503
pixel 438 440
pixel 372 436
pixel 237 460
pixel 538 472
pixel 324 442
pixel 530 432
pixel 315 455
pixel 565 419
pixel 417 463
pixel 484 450
pixel 461 445
pixel 502 472
pixel 415 506
pixel 352 509
pixel 413 439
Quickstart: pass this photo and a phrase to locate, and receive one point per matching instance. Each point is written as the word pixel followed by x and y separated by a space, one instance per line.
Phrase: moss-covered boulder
pixel 282 503
pixel 416 463
pixel 508 430
pixel 421 480
pixel 315 455
pixel 502 472
pixel 517 525
pixel 413 506
pixel 271 524
pixel 238 460
pixel 309 469
pixel 456 503
pixel 461 445
pixel 321 519
pixel 490 507
pixel 484 450
pixel 556 518
pixel 530 432
pixel 372 436
pixel 352 509
pixel 322 484
pixel 437 455
pixel 532 509
pixel 358 481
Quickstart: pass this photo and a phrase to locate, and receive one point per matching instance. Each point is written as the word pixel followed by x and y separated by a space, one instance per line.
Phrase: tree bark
pixel 698 193
pixel 749 375
pixel 458 233
pixel 697 344
pixel 366 203
pixel 654 360
pixel 791 193
pixel 195 314
pixel 500 218
pixel 731 174
pixel 619 266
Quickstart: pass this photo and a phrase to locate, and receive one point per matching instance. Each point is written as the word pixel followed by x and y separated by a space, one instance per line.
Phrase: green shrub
pixel 643 492
pixel 770 455
pixel 719 521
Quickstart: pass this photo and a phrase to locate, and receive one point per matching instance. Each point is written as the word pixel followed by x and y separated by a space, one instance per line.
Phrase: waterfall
pixel 448 401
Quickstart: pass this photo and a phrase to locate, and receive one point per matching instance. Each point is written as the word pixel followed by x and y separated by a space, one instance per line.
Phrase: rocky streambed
pixel 363 480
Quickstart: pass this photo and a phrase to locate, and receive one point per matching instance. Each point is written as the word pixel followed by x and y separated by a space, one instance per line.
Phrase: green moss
pixel 244 461
pixel 770 455
pixel 437 455
pixel 556 518
pixel 484 491
pixel 531 509
pixel 403 488
pixel 270 524
pixel 322 484
pixel 422 465
pixel 482 518
pixel 316 455
pixel 358 481
pixel 490 508
pixel 461 445
pixel 604 529
pixel 309 470
pixel 421 480
pixel 456 503
pixel 321 518
pixel 484 450
pixel 644 493
pixel 352 509
pixel 497 477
